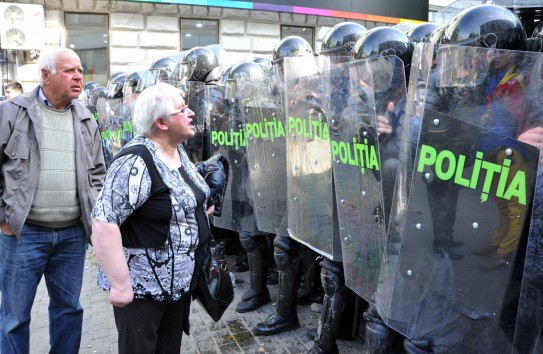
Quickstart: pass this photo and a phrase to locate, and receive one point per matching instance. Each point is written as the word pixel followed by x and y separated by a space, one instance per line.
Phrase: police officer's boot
pixel 311 290
pixel 288 264
pixel 333 303
pixel 379 337
pixel 418 346
pixel 258 294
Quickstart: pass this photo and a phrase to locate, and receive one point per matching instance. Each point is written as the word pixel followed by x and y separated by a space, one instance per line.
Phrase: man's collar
pixel 43 99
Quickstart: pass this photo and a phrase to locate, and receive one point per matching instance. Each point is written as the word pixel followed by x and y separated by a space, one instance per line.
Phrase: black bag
pixel 215 288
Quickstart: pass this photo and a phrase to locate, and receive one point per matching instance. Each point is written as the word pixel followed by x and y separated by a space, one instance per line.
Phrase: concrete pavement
pixel 232 334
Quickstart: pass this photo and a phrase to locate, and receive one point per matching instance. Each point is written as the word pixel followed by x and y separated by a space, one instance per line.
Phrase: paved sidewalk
pixel 232 334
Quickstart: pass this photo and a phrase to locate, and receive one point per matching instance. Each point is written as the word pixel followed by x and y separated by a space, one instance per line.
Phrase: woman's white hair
pixel 154 102
pixel 48 60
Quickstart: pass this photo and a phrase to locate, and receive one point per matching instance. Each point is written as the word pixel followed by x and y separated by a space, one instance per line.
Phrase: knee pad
pixel 284 251
pixel 331 277
pixel 247 241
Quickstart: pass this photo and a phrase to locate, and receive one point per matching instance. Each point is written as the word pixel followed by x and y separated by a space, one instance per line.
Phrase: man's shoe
pixel 277 324
pixel 495 262
pixel 250 301
pixel 485 251
pixel 454 243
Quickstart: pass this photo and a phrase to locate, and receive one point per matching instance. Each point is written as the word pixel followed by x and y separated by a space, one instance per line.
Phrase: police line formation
pixel 393 163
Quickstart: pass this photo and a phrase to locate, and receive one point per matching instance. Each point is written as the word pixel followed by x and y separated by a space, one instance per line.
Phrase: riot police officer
pixel 338 316
pixel 286 250
pixel 421 32
pixel 473 109
pixel 386 53
pixel 166 70
pixel 199 77
pixel 228 138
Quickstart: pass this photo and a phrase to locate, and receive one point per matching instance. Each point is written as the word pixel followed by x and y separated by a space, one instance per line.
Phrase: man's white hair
pixel 48 60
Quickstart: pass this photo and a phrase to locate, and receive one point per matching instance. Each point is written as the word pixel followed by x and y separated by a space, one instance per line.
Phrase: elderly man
pixel 52 169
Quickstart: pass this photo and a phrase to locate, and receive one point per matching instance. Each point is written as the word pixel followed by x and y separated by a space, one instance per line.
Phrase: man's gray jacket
pixel 20 132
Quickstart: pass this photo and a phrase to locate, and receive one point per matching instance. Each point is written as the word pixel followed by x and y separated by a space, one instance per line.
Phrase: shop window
pixel 304 32
pixel 87 35
pixel 198 33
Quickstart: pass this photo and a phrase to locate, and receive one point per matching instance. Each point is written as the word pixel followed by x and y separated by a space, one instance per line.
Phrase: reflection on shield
pixel 197 99
pixel 111 120
pixel 228 138
pixel 265 131
pixel 463 193
pixel 312 211
pixel 364 163
pixel 529 324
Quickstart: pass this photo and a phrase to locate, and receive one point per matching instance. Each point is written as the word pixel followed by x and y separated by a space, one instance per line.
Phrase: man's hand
pixel 5 228
pixel 534 137
pixel 383 125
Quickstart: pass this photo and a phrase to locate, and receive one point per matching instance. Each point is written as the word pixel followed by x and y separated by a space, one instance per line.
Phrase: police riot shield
pixel 196 100
pixel 102 115
pixel 464 189
pixel 528 336
pixel 364 162
pixel 228 138
pixel 312 214
pixel 265 132
pixel 110 115
pixel 116 119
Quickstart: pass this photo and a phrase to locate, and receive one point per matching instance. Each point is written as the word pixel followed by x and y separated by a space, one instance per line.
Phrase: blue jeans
pixel 59 255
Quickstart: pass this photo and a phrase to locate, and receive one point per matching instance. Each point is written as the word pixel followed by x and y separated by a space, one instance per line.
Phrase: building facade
pixel 137 33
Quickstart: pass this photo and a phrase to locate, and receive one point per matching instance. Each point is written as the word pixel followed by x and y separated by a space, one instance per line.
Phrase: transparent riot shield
pixel 528 336
pixel 228 138
pixel 105 112
pixel 312 218
pixel 265 132
pixel 196 100
pixel 364 162
pixel 463 192
pixel 115 124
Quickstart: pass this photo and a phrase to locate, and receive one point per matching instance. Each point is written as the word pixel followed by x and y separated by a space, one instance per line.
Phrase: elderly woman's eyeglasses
pixel 179 111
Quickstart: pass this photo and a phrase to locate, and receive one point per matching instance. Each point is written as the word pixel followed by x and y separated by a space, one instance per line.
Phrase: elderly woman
pixel 150 226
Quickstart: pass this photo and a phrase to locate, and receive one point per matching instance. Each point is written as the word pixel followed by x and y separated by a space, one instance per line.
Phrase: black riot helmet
pixel 115 85
pixel 384 41
pixel 265 64
pixel 436 35
pixel 225 72
pixel 200 64
pixel 487 26
pixel 422 32
pixel 291 46
pixel 97 93
pixel 243 78
pixel 166 70
pixel 138 81
pixel 89 86
pixel 340 39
